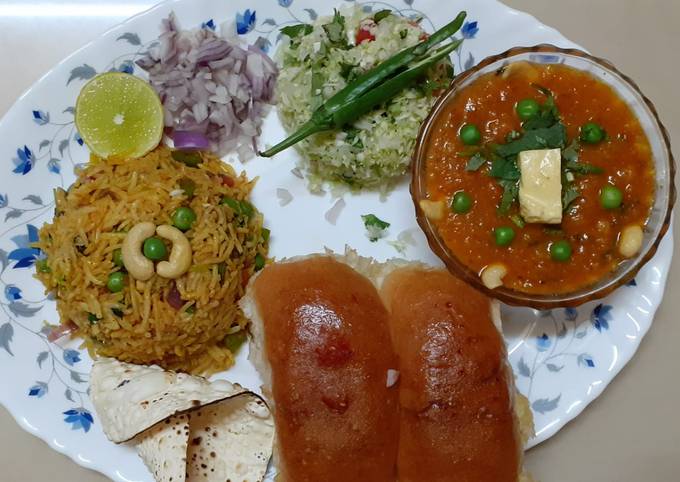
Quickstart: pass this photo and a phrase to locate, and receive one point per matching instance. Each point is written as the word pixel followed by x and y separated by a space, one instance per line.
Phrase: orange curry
pixel 592 231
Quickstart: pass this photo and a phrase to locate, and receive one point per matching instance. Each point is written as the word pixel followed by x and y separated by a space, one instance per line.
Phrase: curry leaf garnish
pixel 293 31
pixel 374 226
pixel 475 162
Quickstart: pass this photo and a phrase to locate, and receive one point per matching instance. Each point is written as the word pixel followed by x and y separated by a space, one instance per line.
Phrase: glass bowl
pixel 660 216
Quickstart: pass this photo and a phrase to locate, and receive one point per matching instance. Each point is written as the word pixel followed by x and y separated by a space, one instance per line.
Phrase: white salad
pixel 319 60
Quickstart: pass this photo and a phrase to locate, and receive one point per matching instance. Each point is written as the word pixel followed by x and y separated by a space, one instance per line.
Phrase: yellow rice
pixel 137 324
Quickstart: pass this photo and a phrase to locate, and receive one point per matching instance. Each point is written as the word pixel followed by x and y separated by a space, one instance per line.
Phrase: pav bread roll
pixel 456 420
pixel 322 338
pixel 383 372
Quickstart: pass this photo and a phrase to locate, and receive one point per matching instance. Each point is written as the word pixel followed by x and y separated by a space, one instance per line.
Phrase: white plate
pixel 563 359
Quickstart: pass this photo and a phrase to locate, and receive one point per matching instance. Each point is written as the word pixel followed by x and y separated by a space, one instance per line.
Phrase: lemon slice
pixel 119 116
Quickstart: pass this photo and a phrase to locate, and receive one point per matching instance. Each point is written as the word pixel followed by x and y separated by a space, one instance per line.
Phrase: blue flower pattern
pixel 12 293
pixel 126 67
pixel 23 163
pixel 553 349
pixel 210 25
pixel 54 166
pixel 570 314
pixel 25 255
pixel 586 360
pixel 543 342
pixel 469 30
pixel 71 357
pixel 79 418
pixel 41 118
pixel 245 22
pixel 285 3
pixel 601 317
pixel 38 390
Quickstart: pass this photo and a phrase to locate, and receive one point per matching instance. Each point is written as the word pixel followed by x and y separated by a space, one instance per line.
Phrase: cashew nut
pixel 630 240
pixel 139 267
pixel 180 255
pixel 492 275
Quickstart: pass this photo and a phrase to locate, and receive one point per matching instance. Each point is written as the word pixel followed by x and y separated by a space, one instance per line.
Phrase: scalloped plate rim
pixel 105 468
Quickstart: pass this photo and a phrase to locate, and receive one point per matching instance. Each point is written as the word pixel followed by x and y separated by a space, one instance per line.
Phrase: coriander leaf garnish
pixel 505 169
pixel 335 31
pixel 475 162
pixel 241 208
pixel 381 15
pixel 510 194
pixel 518 220
pixel 570 153
pixel 571 164
pixel 353 138
pixel 293 31
pixel 403 34
pixel 553 231
pixel 349 72
pixel 512 136
pixel 508 174
pixel 569 195
pixel 543 138
pixel 374 226
pixel 582 168
pixel 317 85
pixel 549 114
pixel 428 86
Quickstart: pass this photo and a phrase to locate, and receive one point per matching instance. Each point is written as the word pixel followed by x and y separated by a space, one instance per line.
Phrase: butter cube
pixel 540 186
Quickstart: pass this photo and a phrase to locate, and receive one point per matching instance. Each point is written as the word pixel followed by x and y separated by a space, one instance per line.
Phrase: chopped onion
pixel 333 213
pixel 174 298
pixel 406 237
pixel 211 87
pixel 399 246
pixel 190 140
pixel 284 195
pixel 297 173
pixel 60 331
pixel 392 377
pixel 234 329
